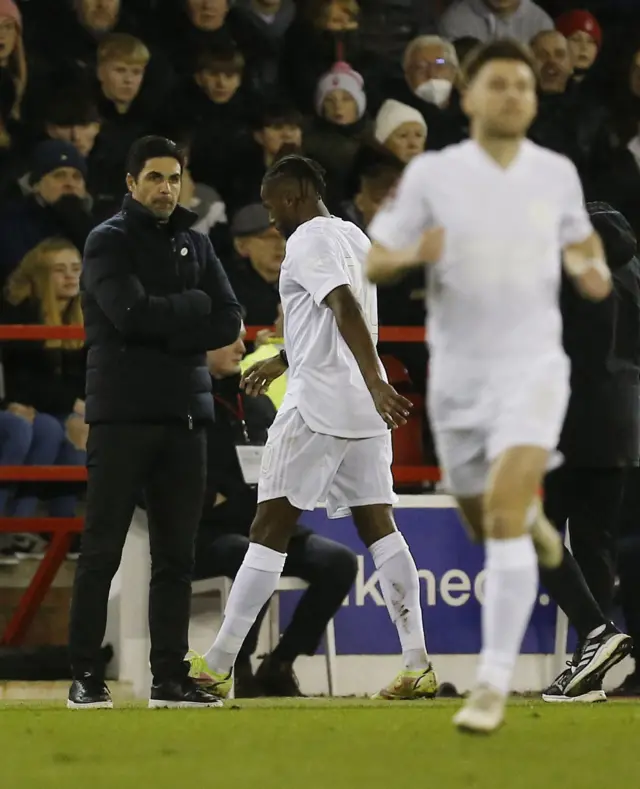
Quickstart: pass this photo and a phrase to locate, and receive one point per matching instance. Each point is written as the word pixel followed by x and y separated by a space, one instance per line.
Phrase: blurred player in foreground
pixel 493 216
pixel 331 438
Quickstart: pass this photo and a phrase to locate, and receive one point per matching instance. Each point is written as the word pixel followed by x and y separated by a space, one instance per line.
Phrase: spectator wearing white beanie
pixel 340 96
pixel 401 129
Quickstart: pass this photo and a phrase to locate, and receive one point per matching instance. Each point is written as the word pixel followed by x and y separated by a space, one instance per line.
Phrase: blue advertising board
pixel 451 580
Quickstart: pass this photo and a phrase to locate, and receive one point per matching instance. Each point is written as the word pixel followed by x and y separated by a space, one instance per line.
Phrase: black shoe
pixel 595 657
pixel 591 692
pixel 245 685
pixel 277 679
pixel 89 693
pixel 629 689
pixel 180 694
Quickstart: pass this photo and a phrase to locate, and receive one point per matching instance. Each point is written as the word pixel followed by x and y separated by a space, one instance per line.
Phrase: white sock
pixel 510 594
pixel 254 584
pixel 597 632
pixel 401 591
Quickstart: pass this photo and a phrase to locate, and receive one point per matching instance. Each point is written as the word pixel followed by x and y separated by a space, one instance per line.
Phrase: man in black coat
pixel 223 538
pixel 155 299
pixel 600 441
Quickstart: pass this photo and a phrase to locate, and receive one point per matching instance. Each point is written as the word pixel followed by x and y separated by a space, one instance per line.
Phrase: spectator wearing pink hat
pixel 584 34
pixel 339 128
pixel 340 96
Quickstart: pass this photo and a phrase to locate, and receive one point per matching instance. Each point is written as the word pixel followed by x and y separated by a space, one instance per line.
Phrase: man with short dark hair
pixel 155 299
pixel 276 128
pixel 213 102
pixel 568 120
pixel 499 376
pixel 223 537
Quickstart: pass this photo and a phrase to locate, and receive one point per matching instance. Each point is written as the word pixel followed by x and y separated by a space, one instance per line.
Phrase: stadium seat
pixel 223 587
pixel 408 449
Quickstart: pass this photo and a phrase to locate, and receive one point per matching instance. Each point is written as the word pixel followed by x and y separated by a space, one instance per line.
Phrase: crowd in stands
pixel 362 86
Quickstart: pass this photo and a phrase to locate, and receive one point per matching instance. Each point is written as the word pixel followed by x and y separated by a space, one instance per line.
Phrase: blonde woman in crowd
pixel 44 380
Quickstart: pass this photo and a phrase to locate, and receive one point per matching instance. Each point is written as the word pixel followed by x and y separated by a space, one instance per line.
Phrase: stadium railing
pixel 63 529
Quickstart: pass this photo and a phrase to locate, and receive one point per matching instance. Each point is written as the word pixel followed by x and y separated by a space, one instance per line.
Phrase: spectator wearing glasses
pixel 431 70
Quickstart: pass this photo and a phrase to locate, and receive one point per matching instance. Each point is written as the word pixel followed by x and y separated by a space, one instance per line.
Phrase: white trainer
pixel 483 711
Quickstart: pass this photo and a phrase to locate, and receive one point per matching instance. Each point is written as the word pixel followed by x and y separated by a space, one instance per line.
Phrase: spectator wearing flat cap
pixel 58 205
pixel 254 276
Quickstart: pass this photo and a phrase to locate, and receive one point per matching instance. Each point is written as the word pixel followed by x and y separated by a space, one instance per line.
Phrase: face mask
pixel 435 91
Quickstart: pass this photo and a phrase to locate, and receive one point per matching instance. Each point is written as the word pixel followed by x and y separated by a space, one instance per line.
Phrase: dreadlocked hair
pixel 307 172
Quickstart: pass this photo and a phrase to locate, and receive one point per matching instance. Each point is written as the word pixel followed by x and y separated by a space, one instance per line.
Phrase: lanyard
pixel 238 412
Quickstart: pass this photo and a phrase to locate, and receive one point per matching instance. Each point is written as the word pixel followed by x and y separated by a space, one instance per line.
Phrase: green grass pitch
pixel 317 744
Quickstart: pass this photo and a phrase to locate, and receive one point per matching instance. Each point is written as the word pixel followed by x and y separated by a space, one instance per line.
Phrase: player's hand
pixel 391 406
pixel 263 337
pixel 430 246
pixel 259 377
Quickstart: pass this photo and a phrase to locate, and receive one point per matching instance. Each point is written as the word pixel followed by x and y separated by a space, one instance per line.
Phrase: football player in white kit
pixel 331 439
pixel 493 217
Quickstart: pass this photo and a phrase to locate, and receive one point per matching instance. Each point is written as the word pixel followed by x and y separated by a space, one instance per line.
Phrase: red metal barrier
pixel 28 332
pixel 62 529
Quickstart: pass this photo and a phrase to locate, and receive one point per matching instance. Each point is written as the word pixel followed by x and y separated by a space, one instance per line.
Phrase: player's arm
pixel 403 233
pixel 391 406
pixel 585 263
pixel 386 265
pixel 583 254
pixel 107 276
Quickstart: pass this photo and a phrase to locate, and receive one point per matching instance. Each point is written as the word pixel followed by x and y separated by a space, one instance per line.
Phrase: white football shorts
pixel 310 468
pixel 515 406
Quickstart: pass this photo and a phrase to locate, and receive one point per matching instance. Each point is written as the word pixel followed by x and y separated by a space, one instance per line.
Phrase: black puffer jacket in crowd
pixel 155 298
pixel 602 428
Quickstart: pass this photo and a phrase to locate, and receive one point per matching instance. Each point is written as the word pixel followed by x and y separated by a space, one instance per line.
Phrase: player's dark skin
pixel 291 204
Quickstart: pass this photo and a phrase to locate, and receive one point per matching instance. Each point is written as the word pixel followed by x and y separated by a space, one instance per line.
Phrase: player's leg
pixel 567 492
pixel 593 527
pixel 364 485
pixel 297 468
pixel 511 581
pixel 255 582
pixel 330 569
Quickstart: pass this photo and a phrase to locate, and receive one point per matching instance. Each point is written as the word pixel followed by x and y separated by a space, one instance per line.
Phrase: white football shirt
pixel 493 296
pixel 325 383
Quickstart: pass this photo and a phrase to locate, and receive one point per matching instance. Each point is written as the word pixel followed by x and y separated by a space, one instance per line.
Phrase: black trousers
pixel 167 464
pixel 327 566
pixel 590 499
pixel 629 559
